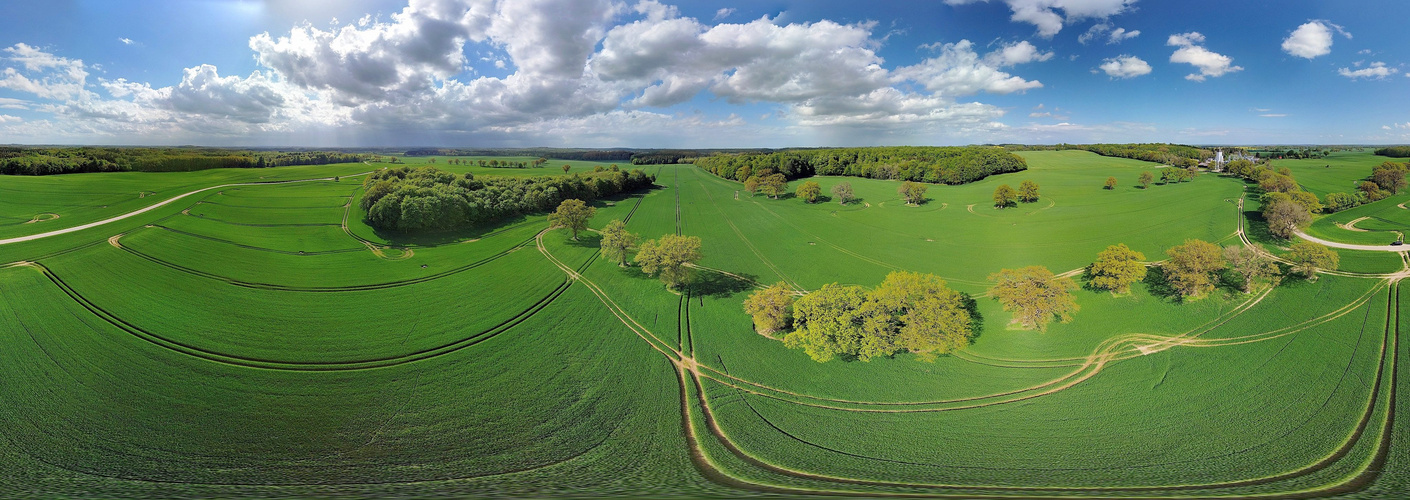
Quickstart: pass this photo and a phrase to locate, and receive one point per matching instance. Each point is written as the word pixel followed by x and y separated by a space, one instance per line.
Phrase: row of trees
pixel 935 165
pixel 668 257
pixel 1169 154
pixel 1193 268
pixel 48 161
pixel 425 198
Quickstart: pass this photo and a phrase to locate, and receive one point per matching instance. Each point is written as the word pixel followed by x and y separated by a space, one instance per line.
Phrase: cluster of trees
pixel 1194 267
pixel 908 311
pixel 406 199
pixel 1395 151
pixel 1287 208
pixel 947 165
pixel 561 154
pixel 495 163
pixel 1293 154
pixel 48 161
pixel 1005 195
pixel 669 257
pixel 767 182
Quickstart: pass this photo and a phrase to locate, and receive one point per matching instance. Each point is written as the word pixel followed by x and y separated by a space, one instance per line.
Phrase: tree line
pixel 49 161
pixel 426 198
pixel 1170 154
pixel 935 165
pixel 1395 151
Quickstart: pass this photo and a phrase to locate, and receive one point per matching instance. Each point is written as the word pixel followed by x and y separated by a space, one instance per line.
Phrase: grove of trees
pixel 425 198
pixel 907 312
pixel 935 165
pixel 62 160
pixel 912 192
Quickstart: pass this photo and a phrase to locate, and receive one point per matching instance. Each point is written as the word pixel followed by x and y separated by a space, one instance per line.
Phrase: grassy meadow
pixel 263 341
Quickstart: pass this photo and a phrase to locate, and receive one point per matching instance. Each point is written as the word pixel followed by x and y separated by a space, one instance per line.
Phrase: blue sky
pixel 772 73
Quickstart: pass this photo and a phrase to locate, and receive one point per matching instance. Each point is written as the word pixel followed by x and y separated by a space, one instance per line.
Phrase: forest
pixel 48 161
pixel 947 165
pixel 426 198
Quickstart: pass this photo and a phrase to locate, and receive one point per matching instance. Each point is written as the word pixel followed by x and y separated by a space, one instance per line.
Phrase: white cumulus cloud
pixel 1312 39
pixel 1376 71
pixel 1211 64
pixel 1044 15
pixel 1125 66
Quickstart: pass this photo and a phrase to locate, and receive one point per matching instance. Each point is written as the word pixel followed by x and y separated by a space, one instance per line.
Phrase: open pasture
pixel 262 341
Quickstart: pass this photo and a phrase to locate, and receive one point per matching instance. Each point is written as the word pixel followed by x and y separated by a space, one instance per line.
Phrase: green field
pixel 261 340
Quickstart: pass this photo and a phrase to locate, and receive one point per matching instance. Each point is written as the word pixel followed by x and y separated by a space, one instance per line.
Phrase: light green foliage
pixel 572 214
pixel 1004 196
pixel 771 308
pixel 1028 191
pixel 1034 295
pixel 908 311
pixel 829 323
pixel 667 257
pixel 774 185
pixel 1110 183
pixel 912 192
pixel 1308 257
pixel 1117 268
pixel 1190 266
pixel 809 191
pixel 616 241
pixel 1145 180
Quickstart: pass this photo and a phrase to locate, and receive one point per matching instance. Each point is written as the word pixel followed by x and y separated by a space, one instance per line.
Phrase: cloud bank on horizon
pixel 599 73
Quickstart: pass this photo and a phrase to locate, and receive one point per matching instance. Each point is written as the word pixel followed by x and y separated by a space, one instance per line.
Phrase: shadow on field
pixel 1160 286
pixel 709 284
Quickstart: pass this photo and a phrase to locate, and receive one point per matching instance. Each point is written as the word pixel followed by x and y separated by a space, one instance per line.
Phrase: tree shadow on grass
pixel 1159 285
pixel 713 284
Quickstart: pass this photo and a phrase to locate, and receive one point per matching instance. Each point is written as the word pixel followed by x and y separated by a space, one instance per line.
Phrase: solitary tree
pixel 616 241
pixel 1117 268
pixel 912 192
pixel 1028 191
pixel 1146 179
pixel 1249 265
pixel 774 185
pixel 668 257
pixel 1307 257
pixel 1004 196
pixel 1285 217
pixel 809 191
pixel 1165 176
pixel 566 167
pixel 772 308
pixel 1034 295
pixel 1189 267
pixel 1110 183
pixel 843 192
pixel 572 214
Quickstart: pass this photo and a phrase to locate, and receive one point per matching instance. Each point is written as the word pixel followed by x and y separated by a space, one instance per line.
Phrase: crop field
pixel 260 340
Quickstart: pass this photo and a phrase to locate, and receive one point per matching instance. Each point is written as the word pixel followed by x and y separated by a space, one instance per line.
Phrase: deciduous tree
pixel 1028 191
pixel 843 192
pixel 774 185
pixel 1390 176
pixel 1189 267
pixel 668 257
pixel 772 308
pixel 1004 195
pixel 616 241
pixel 1285 217
pixel 572 214
pixel 1146 180
pixel 828 323
pixel 1117 268
pixel 1249 265
pixel 1307 257
pixel 920 313
pixel 1034 295
pixel 912 192
pixel 566 167
pixel 1110 183
pixel 751 185
pixel 809 191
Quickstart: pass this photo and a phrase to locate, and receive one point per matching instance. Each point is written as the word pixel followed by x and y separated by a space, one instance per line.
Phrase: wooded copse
pixel 1395 151
pixel 426 198
pixel 935 165
pixel 49 161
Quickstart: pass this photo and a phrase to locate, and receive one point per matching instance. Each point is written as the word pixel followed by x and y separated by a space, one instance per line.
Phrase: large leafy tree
pixel 1390 176
pixel 1248 265
pixel 1034 295
pixel 774 185
pixel 668 257
pixel 1146 180
pixel 1028 191
pixel 912 192
pixel 616 241
pixel 1307 257
pixel 1285 216
pixel 1190 265
pixel 771 308
pixel 1004 195
pixel 809 191
pixel 920 313
pixel 843 192
pixel 572 214
pixel 1117 268
pixel 829 323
